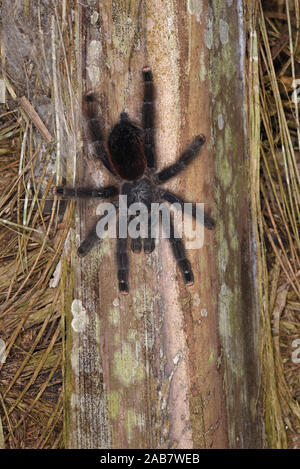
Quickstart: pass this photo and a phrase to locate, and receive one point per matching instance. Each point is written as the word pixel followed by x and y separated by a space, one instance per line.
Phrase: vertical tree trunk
pixel 168 366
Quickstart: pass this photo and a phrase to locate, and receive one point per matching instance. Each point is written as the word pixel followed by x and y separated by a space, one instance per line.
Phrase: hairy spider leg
pixel 149 243
pixel 83 193
pixel 123 264
pixel 148 117
pixel 91 106
pixel 89 241
pixel 209 223
pixel 86 192
pixel 136 243
pixel 180 256
pixel 92 236
pixel 184 161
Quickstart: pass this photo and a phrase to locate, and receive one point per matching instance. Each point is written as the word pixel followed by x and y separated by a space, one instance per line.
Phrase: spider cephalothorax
pixel 130 157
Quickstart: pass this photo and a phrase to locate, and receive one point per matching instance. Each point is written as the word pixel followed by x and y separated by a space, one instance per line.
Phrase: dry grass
pixel 31 382
pixel 31 391
pixel 279 67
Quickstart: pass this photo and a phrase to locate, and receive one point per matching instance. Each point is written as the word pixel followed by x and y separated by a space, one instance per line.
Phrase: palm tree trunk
pixel 169 366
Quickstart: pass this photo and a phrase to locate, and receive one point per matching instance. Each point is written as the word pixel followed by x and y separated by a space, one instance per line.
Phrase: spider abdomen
pixel 126 151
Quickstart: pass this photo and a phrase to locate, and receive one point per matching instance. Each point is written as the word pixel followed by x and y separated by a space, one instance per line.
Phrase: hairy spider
pixel 130 157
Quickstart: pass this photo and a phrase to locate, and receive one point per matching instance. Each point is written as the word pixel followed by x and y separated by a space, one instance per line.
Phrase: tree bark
pixel 168 366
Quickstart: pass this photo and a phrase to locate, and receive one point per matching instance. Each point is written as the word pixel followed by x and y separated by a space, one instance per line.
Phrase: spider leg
pixel 89 241
pixel 85 192
pixel 92 237
pixel 123 265
pixel 209 223
pixel 94 130
pixel 136 243
pixel 148 117
pixel 149 243
pixel 180 256
pixel 185 159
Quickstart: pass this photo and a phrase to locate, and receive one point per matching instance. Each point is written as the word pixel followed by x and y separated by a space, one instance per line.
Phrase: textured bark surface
pixel 168 366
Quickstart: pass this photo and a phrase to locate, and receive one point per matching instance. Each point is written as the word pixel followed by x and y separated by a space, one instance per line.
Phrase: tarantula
pixel 130 157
